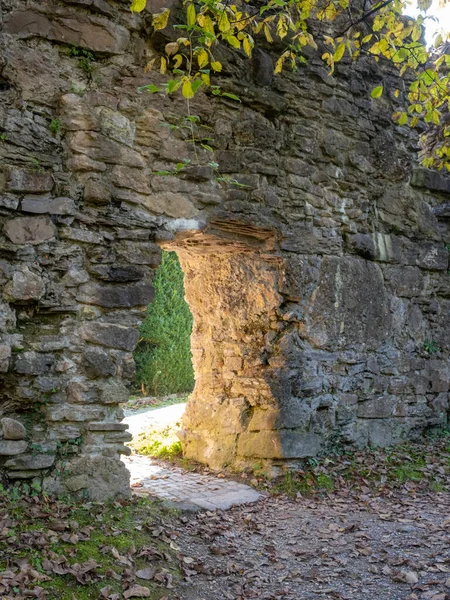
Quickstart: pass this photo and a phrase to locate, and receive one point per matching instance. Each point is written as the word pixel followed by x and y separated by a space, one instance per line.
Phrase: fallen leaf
pixel 137 591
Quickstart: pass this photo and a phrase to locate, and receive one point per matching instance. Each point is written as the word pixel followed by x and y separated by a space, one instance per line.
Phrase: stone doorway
pixel 232 289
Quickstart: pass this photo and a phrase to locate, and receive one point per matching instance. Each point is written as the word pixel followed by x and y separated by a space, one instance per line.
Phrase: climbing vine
pixel 334 28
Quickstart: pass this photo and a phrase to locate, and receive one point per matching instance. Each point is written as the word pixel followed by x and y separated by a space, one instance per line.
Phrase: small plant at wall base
pixel 163 355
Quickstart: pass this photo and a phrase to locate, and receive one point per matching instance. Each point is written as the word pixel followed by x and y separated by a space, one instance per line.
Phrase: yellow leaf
pixel 138 5
pixel 247 46
pixel 160 20
pixel 206 79
pixel 396 93
pixel 268 34
pixel 178 59
pixel 416 33
pixel 282 28
pixel 279 65
pixel 187 90
pixel 209 26
pixel 191 15
pixel 163 67
pixel 224 23
pixel 339 52
pixel 148 67
pixel 367 38
pixel 216 66
pixel 377 92
pixel 202 58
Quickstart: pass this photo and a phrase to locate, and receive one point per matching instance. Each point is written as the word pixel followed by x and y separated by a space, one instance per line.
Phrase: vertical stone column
pixel 233 296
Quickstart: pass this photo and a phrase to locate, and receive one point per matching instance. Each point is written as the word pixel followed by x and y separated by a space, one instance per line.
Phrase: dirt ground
pixel 349 546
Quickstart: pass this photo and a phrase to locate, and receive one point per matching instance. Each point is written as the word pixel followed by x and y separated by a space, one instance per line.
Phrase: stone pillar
pixel 234 298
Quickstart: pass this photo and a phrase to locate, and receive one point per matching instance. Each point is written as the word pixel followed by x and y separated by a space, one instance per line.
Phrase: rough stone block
pixel 110 335
pixel 107 426
pixel 97 192
pixel 172 205
pixel 116 126
pixel 140 294
pixel 21 180
pixel 68 27
pixel 52 206
pixel 76 413
pixel 100 148
pixel 33 363
pixel 98 363
pixel 24 286
pixel 432 180
pixel 81 235
pixel 12 447
pixel 114 392
pixel 344 309
pixel 5 355
pixel 29 230
pixel 118 274
pixel 30 462
pixel 12 429
pixel 133 179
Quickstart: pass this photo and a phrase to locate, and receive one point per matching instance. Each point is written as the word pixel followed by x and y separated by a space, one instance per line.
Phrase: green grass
pixel 163 355
pixel 159 442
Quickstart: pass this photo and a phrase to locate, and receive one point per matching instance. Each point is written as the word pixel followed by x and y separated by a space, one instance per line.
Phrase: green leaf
pixel 377 92
pixel 339 53
pixel 232 96
pixel 152 88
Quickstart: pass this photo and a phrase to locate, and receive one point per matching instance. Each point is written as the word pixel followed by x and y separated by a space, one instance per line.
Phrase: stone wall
pixel 319 285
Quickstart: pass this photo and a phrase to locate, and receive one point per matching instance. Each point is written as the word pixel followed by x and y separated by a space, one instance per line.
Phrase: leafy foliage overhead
pixel 334 28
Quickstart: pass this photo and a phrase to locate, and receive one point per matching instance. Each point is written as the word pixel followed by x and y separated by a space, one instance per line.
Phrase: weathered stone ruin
pixel 319 285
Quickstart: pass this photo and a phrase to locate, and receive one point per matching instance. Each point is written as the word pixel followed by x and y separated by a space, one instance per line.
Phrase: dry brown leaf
pixel 137 591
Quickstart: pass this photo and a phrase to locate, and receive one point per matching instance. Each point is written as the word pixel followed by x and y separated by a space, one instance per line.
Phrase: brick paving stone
pixel 178 486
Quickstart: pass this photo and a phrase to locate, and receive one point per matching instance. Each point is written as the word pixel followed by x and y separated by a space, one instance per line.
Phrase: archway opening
pixel 164 369
pixel 232 289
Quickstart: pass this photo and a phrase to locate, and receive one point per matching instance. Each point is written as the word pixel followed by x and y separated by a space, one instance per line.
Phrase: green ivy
pixel 163 355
